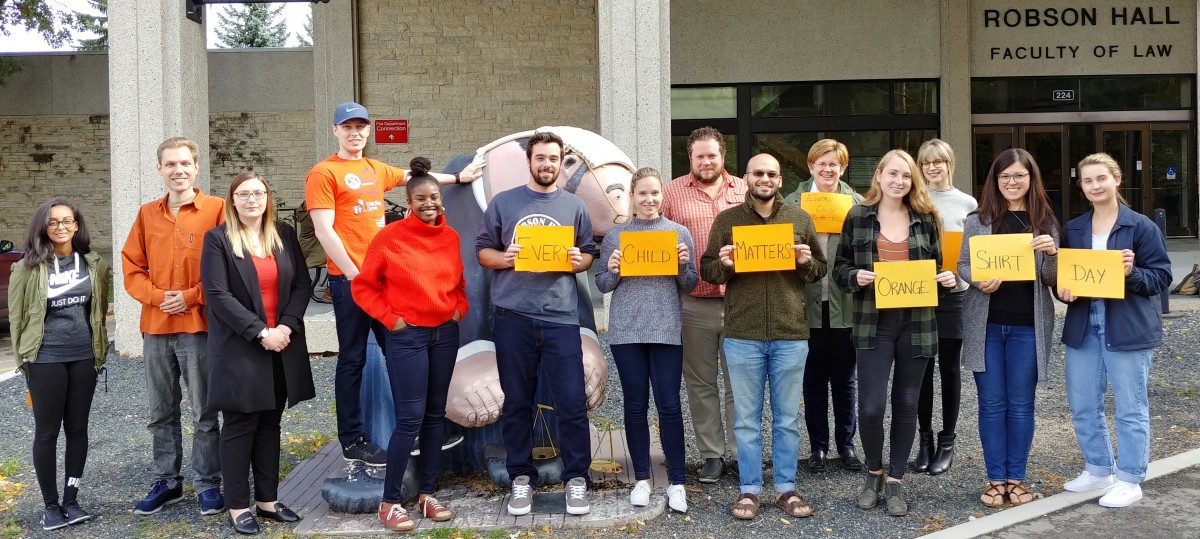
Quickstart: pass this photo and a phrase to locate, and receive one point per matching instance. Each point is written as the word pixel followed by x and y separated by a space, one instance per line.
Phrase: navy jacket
pixel 1134 323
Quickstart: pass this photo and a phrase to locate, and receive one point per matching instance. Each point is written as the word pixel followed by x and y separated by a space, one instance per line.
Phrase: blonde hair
pixel 179 142
pixel 826 145
pixel 933 150
pixel 1105 161
pixel 917 199
pixel 641 174
pixel 240 237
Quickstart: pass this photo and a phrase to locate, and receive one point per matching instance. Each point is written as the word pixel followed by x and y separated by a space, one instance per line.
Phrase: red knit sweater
pixel 412 270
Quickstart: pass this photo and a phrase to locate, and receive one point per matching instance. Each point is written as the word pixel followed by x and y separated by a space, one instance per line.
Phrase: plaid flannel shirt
pixel 858 252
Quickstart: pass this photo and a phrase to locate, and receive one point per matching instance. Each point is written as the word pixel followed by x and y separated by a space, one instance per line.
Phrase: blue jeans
pixel 1089 370
pixel 420 361
pixel 1006 393
pixel 640 367
pixel 522 344
pixel 780 364
pixel 167 359
pixel 353 325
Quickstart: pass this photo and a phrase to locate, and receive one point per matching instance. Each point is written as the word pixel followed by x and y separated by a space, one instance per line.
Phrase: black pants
pixel 892 352
pixel 830 369
pixel 62 398
pixel 251 440
pixel 951 378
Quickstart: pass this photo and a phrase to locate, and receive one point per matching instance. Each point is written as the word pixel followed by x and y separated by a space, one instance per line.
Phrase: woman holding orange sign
pixel 1113 339
pixel 645 332
pixel 896 222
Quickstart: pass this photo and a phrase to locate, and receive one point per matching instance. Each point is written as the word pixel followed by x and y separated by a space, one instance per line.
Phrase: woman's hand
pixel 614 262
pixel 1127 257
pixel 400 324
pixel 864 277
pixel 1065 295
pixel 1045 244
pixel 946 279
pixel 990 286
pixel 684 255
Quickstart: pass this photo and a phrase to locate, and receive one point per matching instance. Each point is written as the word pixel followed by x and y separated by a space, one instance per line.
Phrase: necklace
pixel 1024 226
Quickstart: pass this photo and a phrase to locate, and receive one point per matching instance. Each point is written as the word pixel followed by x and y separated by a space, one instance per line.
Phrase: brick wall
pixel 465 73
pixel 44 156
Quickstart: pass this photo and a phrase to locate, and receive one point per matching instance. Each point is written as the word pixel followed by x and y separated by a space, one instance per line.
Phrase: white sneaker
pixel 1123 494
pixel 640 496
pixel 1089 481
pixel 677 498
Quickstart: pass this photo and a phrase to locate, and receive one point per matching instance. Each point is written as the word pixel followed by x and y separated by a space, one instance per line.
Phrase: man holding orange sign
pixel 766 328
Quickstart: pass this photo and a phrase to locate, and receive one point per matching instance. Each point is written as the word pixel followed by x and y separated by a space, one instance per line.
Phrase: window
pixel 1049 94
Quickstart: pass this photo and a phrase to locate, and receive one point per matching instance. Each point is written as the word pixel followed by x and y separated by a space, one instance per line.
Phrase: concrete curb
pixel 1057 502
pixel 8 375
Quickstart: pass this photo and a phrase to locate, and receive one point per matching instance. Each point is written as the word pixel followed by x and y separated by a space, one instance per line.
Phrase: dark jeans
pixel 1007 388
pixel 522 344
pixel 62 397
pixel 420 361
pixel 830 369
pixel 892 352
pixel 951 378
pixel 642 367
pixel 168 359
pixel 353 325
pixel 250 440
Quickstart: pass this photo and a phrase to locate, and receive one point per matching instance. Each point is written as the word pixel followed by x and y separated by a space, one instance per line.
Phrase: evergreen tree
pixel 253 25
pixel 305 37
pixel 93 24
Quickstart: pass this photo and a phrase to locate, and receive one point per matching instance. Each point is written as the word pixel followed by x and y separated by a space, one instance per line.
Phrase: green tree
pixel 254 25
pixel 38 16
pixel 93 24
pixel 305 37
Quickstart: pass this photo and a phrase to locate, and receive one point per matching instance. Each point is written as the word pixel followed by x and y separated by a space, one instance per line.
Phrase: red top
pixel 412 270
pixel 268 284
pixel 892 251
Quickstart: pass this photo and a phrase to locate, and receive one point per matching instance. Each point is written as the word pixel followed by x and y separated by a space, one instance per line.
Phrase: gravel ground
pixel 117 474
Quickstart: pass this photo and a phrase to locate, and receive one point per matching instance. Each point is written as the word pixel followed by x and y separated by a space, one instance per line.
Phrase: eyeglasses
pixel 1015 177
pixel 768 173
pixel 65 223
pixel 935 163
pixel 830 166
pixel 245 195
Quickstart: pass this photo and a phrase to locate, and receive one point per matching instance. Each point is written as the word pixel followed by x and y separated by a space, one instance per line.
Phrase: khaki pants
pixel 703 330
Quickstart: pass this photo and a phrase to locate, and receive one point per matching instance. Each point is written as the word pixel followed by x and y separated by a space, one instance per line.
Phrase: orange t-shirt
pixel 354 190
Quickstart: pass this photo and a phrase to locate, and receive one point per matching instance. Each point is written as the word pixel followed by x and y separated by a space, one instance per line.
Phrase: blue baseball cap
pixel 349 111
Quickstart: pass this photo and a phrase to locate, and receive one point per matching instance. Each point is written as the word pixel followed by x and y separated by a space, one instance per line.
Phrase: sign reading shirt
pixel 353 189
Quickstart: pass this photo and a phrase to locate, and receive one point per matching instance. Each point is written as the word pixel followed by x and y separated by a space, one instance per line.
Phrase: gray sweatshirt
pixel 953 205
pixel 645 309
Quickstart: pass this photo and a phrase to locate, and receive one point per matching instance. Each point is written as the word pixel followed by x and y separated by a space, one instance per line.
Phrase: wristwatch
pixel 263 334
pixel 457 178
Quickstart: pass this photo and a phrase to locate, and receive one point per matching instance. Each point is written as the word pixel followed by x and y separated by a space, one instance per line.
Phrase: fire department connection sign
pixel 391 131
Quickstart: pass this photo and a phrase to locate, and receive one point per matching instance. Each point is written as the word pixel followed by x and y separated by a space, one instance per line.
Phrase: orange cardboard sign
pixel 543 248
pixel 1092 273
pixel 905 284
pixel 951 248
pixel 649 253
pixel 763 248
pixel 828 210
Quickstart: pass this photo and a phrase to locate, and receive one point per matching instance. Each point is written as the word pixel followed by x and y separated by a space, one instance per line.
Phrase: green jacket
pixel 841 304
pixel 27 308
pixel 768 305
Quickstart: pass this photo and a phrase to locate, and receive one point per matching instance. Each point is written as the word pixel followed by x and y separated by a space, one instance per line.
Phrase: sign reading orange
pixel 763 248
pixel 905 284
pixel 649 253
pixel 543 248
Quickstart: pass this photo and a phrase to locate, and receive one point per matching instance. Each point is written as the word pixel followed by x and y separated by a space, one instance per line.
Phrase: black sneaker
pixel 712 469
pixel 52 517
pixel 362 450
pixel 451 441
pixel 75 514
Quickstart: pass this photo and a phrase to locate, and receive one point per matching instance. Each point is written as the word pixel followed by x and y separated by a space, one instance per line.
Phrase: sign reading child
pixel 763 248
pixel 1091 274
pixel 543 248
pixel 828 210
pixel 649 254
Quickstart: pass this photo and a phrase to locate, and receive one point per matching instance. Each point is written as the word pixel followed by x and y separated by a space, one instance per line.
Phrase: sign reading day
pixel 828 210
pixel 1008 257
pixel 1091 273
pixel 905 284
pixel 763 248
pixel 543 248
pixel 649 253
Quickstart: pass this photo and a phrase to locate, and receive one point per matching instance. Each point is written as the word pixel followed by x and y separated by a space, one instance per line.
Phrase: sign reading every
pixel 649 253
pixel 763 248
pixel 543 248
pixel 828 210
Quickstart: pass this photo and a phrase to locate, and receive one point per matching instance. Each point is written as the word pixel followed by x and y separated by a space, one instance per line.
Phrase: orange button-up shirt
pixel 687 204
pixel 162 253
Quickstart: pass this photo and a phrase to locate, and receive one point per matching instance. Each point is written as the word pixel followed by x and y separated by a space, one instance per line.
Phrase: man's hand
pixel 576 258
pixel 173 302
pixel 803 253
pixel 726 255
pixel 510 254
pixel 275 340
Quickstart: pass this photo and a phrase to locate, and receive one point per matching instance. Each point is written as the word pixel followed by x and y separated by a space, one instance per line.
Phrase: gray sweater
pixel 976 303
pixel 645 309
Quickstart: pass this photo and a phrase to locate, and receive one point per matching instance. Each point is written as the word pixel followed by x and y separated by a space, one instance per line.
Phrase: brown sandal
pixel 1018 494
pixel 994 495
pixel 792 503
pixel 746 507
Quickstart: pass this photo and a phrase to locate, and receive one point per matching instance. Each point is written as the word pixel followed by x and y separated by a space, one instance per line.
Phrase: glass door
pixel 1046 143
pixel 989 142
pixel 1172 182
pixel 1129 145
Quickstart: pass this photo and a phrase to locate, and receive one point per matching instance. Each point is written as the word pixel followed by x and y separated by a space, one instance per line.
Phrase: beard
pixel 539 176
pixel 765 197
pixel 706 176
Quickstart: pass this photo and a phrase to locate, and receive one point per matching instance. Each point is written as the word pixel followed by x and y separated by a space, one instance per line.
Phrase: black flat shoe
pixel 850 461
pixel 280 514
pixel 816 462
pixel 712 470
pixel 245 524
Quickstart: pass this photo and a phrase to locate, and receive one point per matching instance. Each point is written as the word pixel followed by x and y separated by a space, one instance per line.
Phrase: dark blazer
pixel 241 374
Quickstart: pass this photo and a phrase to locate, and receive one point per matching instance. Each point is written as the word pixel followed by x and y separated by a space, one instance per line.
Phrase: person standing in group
pixel 766 336
pixel 58 296
pixel 645 324
pixel 1113 340
pixel 830 369
pixel 344 194
pixel 897 221
pixel 412 282
pixel 1008 326
pixel 936 159
pixel 694 200
pixel 257 286
pixel 161 264
pixel 536 322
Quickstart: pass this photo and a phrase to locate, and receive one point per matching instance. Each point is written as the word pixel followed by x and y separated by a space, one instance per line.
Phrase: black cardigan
pixel 241 377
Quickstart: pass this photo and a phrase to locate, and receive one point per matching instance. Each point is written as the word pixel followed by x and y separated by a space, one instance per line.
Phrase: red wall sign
pixel 391 131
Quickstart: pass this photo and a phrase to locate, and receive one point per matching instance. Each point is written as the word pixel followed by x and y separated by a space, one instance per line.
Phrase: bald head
pixel 763 177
